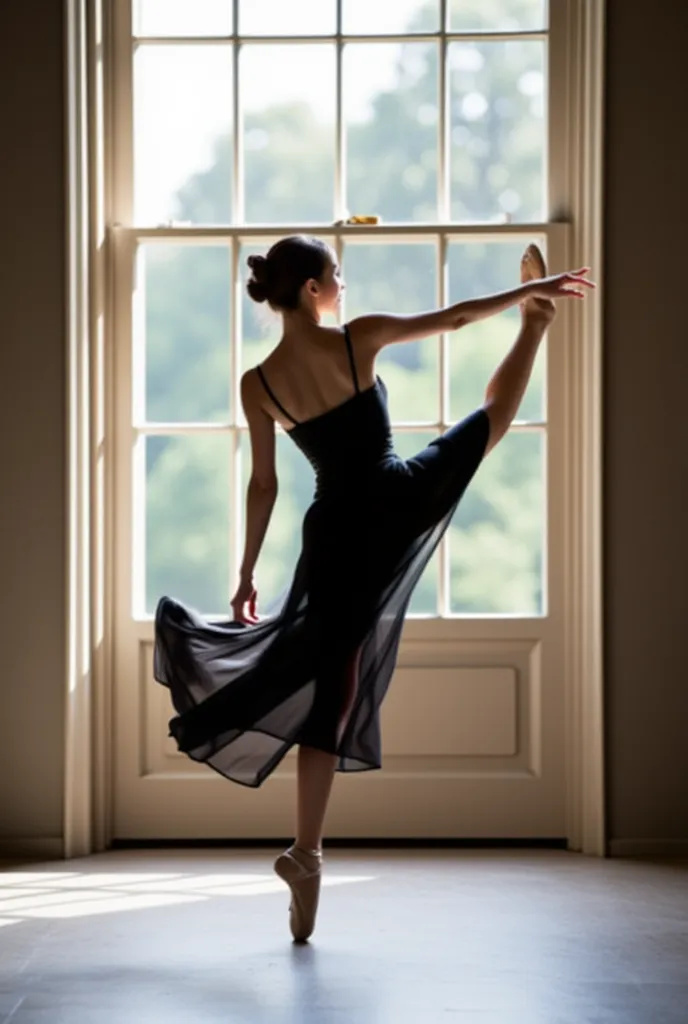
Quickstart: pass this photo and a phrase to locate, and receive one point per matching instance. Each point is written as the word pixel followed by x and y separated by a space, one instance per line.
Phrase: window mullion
pixel 318 40
pixel 339 142
pixel 443 120
pixel 237 154
pixel 442 288
pixel 235 511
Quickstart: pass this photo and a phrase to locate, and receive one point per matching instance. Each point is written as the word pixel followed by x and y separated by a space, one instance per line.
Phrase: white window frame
pixel 97 212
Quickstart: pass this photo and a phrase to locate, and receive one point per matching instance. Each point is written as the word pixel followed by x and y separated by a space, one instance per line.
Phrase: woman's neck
pixel 294 321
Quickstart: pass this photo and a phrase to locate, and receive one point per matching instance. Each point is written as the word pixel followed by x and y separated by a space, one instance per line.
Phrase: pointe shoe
pixel 292 867
pixel 533 266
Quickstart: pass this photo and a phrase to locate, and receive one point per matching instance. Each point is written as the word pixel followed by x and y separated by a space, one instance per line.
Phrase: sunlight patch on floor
pixel 28 895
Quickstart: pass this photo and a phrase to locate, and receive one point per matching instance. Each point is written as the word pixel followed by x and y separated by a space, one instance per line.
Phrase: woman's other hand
pixel 246 595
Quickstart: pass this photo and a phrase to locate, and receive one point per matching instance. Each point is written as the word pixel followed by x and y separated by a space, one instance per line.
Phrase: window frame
pixel 93 233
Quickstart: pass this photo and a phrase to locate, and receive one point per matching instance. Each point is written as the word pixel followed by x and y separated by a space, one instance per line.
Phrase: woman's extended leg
pixel 508 384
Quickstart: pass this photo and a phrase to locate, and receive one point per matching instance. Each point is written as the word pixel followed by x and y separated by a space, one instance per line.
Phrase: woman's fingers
pixel 238 612
pixel 243 606
pixel 579 279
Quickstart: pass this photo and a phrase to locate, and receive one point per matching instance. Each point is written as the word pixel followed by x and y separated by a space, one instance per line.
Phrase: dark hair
pixel 278 277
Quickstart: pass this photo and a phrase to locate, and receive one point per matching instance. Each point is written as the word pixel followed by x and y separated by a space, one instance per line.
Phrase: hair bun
pixel 257 286
pixel 278 277
pixel 259 267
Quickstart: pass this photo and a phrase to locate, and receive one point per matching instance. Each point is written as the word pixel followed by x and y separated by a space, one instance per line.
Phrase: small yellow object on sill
pixel 359 219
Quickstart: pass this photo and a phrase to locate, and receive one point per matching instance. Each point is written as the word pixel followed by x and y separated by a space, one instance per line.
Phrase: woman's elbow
pixel 265 485
pixel 460 316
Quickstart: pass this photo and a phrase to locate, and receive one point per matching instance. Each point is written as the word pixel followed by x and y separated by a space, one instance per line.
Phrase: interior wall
pixel 646 455
pixel 32 411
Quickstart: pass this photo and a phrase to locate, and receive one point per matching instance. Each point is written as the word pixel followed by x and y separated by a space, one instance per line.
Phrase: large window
pixel 248 120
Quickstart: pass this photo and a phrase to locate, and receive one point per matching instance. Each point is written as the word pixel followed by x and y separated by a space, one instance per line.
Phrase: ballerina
pixel 314 673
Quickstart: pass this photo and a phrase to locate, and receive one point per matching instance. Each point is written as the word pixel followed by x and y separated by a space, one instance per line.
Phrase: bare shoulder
pixel 252 392
pixel 367 332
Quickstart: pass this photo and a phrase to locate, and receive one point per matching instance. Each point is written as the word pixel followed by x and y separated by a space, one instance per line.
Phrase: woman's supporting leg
pixel 315 771
pixel 299 866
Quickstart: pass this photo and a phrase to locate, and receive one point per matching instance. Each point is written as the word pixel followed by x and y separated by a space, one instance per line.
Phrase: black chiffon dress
pixel 245 694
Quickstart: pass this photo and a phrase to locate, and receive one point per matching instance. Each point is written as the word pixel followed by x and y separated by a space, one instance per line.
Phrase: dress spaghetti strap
pixel 274 398
pixel 350 350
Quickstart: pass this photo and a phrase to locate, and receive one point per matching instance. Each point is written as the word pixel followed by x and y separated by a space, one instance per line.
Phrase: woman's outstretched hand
pixel 572 284
pixel 246 595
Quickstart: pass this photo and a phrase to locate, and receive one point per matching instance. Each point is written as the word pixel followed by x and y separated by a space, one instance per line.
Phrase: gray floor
pixel 403 938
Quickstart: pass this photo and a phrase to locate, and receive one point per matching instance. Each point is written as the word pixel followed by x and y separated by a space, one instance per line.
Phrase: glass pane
pixel 388 278
pixel 288 133
pixel 497 147
pixel 497 537
pixel 475 351
pixel 425 596
pixel 183 333
pixel 182 134
pixel 391 110
pixel 282 544
pixel 277 18
pixel 179 18
pixel 366 18
pixel 500 16
pixel 187 510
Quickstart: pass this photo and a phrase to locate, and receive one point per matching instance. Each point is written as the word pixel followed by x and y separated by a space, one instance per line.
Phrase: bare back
pixel 312 373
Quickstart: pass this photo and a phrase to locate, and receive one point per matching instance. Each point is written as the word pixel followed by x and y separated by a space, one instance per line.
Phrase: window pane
pixel 425 596
pixel 373 18
pixel 475 351
pixel 182 332
pixel 172 18
pixel 288 133
pixel 504 16
pixel 182 134
pixel 497 537
pixel 282 544
pixel 388 278
pixel 277 18
pixel 187 503
pixel 391 110
pixel 497 148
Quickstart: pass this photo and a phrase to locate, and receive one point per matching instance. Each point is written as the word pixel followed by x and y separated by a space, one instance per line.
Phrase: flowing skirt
pixel 245 694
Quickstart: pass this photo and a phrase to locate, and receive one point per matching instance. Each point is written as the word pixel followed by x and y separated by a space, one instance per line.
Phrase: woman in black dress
pixel 314 672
